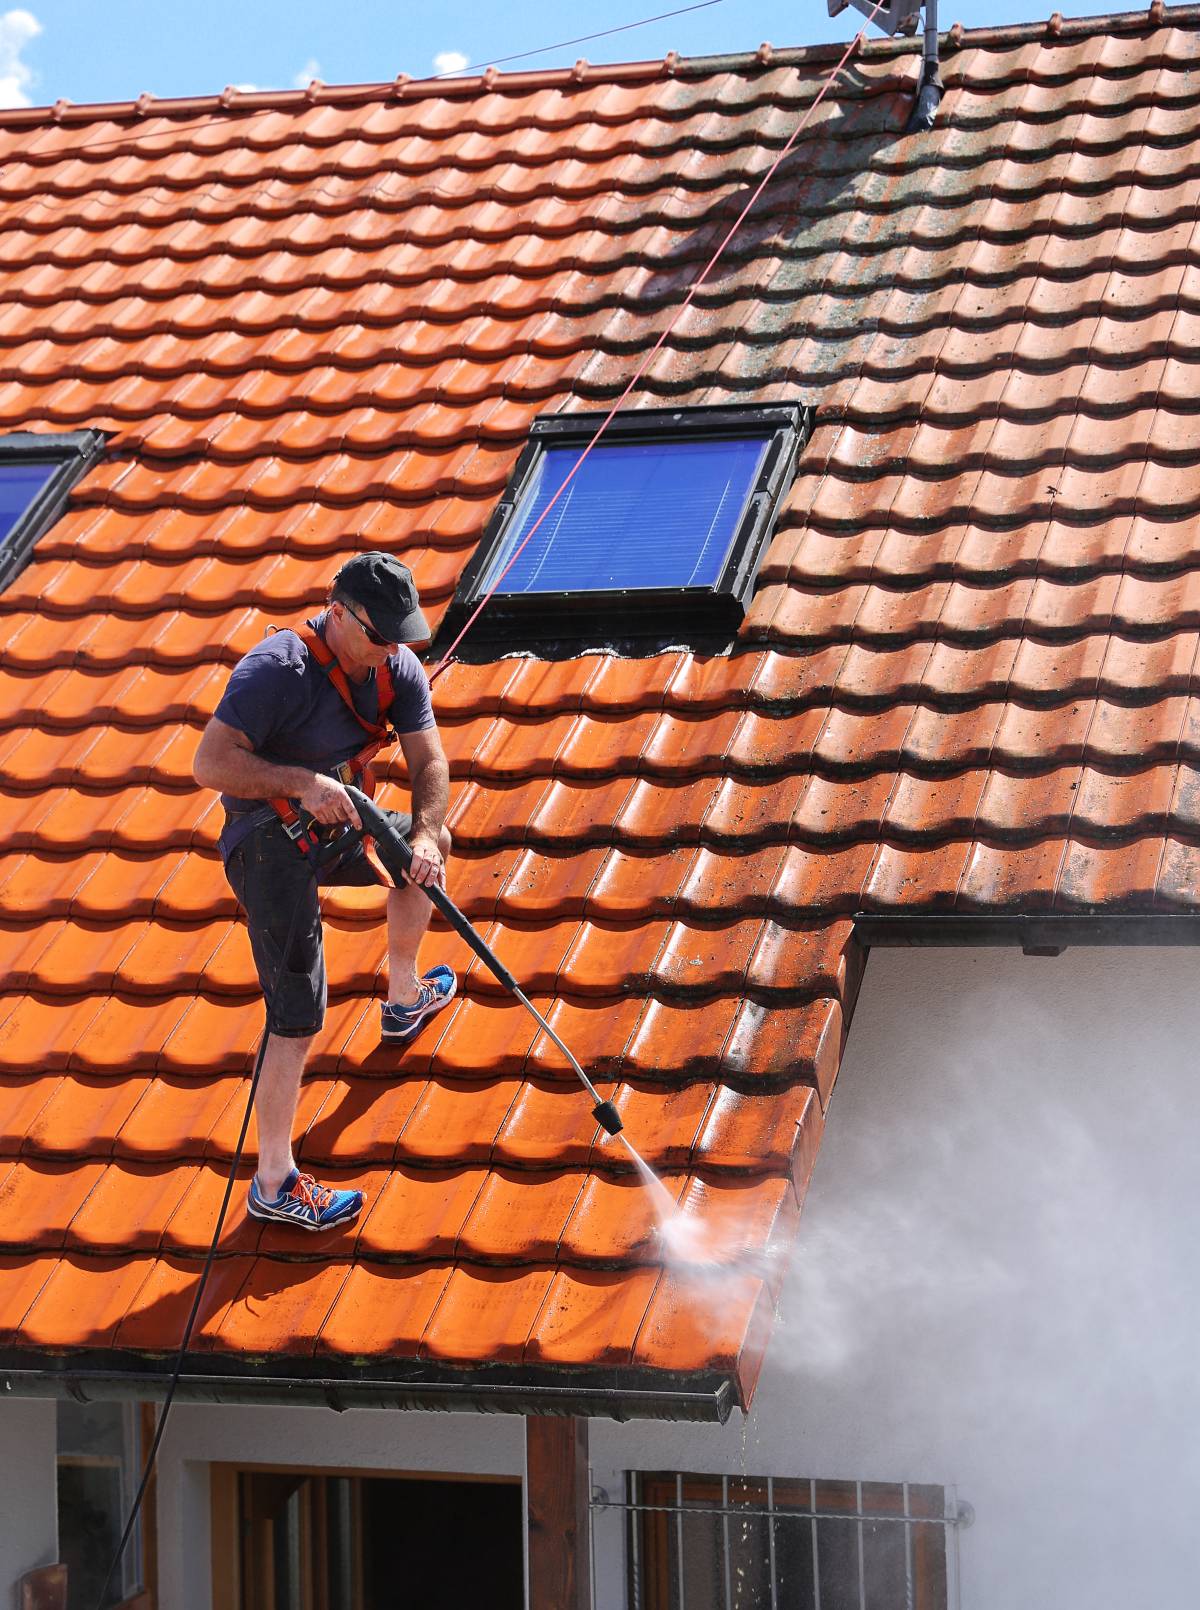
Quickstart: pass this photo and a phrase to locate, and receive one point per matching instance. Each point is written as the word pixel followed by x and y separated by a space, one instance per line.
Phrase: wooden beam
pixel 225 1532
pixel 557 1491
pixel 44 1589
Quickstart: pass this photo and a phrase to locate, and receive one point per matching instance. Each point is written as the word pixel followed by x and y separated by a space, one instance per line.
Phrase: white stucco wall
pixel 997 1283
pixel 28 1492
pixel 198 1434
pixel 996 1289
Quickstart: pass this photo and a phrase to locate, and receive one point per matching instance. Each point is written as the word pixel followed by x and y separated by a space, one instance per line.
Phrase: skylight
pixel 37 473
pixel 659 529
pixel 690 495
pixel 19 485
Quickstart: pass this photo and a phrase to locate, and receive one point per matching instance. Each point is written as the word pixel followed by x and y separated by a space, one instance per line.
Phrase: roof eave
pixel 1046 933
pixel 495 1389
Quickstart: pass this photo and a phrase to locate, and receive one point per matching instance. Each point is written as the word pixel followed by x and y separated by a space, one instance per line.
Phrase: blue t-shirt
pixel 283 701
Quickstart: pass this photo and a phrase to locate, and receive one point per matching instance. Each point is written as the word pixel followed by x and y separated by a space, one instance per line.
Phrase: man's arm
pixel 429 780
pixel 225 761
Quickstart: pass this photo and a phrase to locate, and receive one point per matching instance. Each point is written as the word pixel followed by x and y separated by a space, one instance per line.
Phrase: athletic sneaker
pixel 436 990
pixel 304 1203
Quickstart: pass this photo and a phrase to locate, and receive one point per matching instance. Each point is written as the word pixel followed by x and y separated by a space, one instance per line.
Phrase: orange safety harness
pixel 306 834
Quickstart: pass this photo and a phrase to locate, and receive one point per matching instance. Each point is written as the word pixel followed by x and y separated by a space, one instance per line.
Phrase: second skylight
pixel 686 497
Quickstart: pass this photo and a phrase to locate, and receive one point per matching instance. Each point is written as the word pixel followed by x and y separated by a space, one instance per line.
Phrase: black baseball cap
pixel 387 594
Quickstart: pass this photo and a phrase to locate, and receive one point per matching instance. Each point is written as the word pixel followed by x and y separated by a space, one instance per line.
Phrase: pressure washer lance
pixel 392 845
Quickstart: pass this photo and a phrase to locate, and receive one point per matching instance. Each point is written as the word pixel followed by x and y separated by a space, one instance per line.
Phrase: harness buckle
pixel 304 838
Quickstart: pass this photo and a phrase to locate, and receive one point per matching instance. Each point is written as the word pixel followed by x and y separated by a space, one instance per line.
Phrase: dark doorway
pixel 312 1541
pixel 442 1545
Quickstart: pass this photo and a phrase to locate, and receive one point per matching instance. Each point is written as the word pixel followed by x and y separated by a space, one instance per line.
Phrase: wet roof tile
pixel 966 682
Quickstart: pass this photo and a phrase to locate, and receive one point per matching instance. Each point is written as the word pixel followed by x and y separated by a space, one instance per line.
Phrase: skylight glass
pixel 37 471
pixel 20 484
pixel 637 516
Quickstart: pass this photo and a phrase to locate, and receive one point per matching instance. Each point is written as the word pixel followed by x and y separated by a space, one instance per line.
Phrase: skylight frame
pixel 623 613
pixel 74 452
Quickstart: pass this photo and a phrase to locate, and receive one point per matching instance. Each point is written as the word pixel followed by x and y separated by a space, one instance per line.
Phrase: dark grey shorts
pixel 271 878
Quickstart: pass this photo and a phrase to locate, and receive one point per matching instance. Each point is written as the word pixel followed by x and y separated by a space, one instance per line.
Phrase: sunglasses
pixel 368 631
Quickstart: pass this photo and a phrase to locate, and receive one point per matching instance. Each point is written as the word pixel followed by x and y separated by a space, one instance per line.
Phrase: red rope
pixel 649 358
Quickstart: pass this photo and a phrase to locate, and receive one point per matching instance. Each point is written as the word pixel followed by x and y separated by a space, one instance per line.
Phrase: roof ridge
pixel 766 58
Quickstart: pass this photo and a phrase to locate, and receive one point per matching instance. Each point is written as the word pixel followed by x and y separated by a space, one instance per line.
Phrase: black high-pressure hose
pixel 396 855
pixel 135 1507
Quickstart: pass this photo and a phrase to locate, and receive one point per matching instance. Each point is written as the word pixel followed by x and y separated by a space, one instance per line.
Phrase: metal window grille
pixel 743 1543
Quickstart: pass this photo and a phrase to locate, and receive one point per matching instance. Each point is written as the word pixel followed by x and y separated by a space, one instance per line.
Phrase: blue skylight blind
pixel 19 485
pixel 638 515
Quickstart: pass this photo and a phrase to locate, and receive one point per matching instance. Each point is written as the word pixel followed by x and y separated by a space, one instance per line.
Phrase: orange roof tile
pixel 322 321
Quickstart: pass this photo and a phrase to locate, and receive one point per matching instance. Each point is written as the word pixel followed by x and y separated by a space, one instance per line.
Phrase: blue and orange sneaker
pixel 305 1204
pixel 436 990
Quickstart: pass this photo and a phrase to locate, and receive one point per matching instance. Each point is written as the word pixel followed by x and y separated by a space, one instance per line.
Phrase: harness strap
pixel 306 836
pixel 328 661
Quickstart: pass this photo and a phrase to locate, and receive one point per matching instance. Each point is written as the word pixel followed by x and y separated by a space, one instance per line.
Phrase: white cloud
pixel 17 29
pixel 248 89
pixel 310 70
pixel 451 61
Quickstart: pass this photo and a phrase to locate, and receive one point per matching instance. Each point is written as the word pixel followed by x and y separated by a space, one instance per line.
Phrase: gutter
pixel 709 1399
pixel 1037 935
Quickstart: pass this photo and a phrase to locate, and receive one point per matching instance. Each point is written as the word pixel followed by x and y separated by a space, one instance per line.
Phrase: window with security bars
pixel 37 472
pixel 658 526
pixel 738 1543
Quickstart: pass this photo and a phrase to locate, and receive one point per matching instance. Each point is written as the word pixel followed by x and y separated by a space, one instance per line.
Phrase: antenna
pixel 894 16
pixel 900 17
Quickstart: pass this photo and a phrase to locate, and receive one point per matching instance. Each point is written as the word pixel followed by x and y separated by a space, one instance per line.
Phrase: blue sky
pixel 124 47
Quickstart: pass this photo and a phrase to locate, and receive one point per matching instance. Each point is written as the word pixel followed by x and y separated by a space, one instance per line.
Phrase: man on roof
pixel 303 713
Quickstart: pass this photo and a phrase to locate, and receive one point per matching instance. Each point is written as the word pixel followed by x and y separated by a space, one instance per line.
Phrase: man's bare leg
pixel 408 913
pixel 275 1109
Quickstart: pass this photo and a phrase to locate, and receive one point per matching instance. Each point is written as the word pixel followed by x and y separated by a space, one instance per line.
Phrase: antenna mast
pixel 900 17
